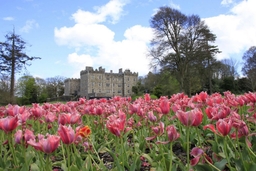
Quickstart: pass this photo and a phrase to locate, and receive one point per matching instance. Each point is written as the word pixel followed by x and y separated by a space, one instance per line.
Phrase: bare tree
pixel 55 86
pixel 13 58
pixel 249 66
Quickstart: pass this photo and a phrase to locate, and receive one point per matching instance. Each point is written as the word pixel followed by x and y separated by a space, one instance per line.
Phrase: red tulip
pixel 48 145
pixel 8 124
pixel 67 134
pixel 84 131
pixel 223 127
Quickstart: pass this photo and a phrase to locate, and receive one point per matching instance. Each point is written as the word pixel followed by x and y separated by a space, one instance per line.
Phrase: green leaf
pixel 74 168
pixel 34 167
pixel 64 167
pixel 136 164
pixel 221 164
pixel 150 160
pixel 203 167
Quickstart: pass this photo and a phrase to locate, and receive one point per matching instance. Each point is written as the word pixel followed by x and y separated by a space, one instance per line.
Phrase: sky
pixel 113 34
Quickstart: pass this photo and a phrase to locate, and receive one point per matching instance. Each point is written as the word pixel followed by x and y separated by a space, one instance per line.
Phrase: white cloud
pixel 235 31
pixel 173 5
pixel 8 18
pixel 30 24
pixel 226 2
pixel 100 49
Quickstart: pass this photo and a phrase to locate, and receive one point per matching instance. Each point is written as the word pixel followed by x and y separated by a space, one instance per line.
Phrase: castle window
pixel 119 85
pixel 107 85
pixel 119 91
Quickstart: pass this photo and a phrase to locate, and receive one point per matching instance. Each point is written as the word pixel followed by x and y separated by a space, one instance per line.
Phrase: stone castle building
pixel 98 83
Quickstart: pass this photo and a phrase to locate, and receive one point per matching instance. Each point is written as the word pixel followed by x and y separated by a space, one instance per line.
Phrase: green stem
pixel 239 149
pixel 212 165
pixel 188 161
pixel 198 136
pixel 170 168
pixel 63 154
pixel 48 162
pixel 68 153
pixel 122 150
pixel 250 150
pixel 41 161
pixel 11 145
pixel 94 149
pixel 226 152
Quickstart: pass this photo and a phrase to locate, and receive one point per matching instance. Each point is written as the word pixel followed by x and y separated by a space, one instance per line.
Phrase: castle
pixel 98 83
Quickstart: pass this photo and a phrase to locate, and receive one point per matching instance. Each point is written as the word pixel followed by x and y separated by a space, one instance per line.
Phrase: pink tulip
pixel 158 131
pixel 67 134
pixel 151 116
pixel 50 117
pixel 172 133
pixel 8 124
pixel 37 111
pixel 147 97
pixel 69 118
pixel 190 118
pixel 198 153
pixel 46 145
pixel 28 135
pixel 165 106
pixel 13 110
pixel 116 123
pixel 18 137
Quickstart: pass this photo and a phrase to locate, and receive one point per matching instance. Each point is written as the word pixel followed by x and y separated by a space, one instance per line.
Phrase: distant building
pixel 98 83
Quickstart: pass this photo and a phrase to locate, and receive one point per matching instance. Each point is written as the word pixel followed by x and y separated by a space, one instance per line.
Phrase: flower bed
pixel 203 132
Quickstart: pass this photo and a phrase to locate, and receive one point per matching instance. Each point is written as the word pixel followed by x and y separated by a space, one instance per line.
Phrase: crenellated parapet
pixel 91 70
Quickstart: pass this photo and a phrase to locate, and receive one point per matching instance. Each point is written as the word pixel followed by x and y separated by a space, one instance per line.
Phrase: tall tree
pixel 27 90
pixel 179 42
pixel 13 58
pixel 249 66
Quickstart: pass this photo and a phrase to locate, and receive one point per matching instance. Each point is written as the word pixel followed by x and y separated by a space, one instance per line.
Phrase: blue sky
pixel 69 35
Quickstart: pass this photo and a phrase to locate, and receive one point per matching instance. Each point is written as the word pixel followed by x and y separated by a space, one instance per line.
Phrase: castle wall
pixel 98 83
pixel 72 86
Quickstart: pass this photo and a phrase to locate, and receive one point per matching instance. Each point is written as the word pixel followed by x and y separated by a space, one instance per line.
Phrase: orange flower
pixel 84 131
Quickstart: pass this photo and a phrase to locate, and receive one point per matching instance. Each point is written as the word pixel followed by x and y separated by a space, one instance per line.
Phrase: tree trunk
pixel 12 71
